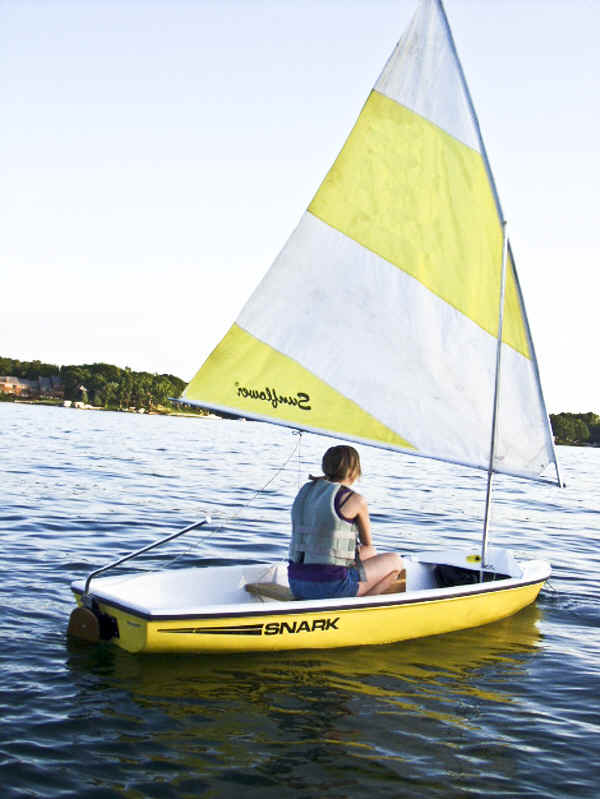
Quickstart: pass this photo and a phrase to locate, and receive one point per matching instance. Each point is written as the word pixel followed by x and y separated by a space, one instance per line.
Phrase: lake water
pixel 507 710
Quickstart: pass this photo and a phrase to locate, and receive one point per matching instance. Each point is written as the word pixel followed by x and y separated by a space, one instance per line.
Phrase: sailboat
pixel 404 248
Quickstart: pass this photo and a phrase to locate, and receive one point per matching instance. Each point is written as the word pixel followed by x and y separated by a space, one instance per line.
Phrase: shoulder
pixel 355 502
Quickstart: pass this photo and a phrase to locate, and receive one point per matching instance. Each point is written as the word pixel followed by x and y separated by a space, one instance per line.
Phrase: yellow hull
pixel 285 627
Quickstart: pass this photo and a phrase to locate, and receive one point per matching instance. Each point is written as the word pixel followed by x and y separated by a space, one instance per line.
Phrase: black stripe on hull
pixel 244 629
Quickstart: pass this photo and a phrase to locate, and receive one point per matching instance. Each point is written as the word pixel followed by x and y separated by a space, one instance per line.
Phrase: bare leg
pixel 380 587
pixel 381 571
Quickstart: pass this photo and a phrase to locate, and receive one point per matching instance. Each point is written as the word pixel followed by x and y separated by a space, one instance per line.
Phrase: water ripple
pixel 503 711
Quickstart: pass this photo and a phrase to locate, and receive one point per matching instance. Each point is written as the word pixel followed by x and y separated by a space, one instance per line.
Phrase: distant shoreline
pixel 200 414
pixel 137 411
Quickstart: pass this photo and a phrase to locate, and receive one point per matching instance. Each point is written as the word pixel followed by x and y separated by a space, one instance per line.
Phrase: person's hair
pixel 339 463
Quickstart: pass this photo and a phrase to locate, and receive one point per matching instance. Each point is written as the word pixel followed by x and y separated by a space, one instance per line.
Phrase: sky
pixel 155 156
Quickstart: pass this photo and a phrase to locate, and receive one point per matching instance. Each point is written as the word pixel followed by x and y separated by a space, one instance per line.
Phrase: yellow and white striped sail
pixel 378 321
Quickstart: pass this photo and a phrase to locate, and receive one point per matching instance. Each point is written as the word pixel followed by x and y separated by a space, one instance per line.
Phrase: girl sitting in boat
pixel 327 518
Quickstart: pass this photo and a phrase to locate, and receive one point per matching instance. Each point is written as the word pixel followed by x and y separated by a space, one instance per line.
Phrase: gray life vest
pixel 318 533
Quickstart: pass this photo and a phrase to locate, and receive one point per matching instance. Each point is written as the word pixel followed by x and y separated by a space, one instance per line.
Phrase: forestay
pixel 378 321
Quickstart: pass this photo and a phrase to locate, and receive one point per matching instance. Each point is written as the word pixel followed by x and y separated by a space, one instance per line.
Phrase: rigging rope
pixel 231 518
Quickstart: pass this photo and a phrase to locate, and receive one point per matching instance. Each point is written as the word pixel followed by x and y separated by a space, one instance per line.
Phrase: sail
pixel 378 321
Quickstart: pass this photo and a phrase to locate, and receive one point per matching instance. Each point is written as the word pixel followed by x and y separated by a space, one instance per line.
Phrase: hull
pixel 254 626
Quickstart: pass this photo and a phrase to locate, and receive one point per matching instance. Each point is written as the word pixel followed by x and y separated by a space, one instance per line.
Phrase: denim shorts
pixel 331 589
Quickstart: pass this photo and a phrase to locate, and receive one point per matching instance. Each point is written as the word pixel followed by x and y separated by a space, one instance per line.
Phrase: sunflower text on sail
pixel 300 400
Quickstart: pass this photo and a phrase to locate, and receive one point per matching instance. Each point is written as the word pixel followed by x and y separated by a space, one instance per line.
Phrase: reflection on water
pixel 451 666
pixel 300 713
pixel 507 710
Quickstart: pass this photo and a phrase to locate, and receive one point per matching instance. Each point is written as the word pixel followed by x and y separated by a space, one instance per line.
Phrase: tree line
pixel 104 385
pixel 576 428
pixel 109 386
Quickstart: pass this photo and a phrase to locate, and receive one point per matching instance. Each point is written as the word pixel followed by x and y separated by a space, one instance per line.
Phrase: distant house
pixel 8 385
pixel 32 389
pixel 20 387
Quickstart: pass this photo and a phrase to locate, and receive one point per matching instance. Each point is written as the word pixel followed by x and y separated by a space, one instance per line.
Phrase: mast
pixel 505 248
pixel 488 497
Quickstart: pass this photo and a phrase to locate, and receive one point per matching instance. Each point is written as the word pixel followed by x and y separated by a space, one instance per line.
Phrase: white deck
pixel 198 591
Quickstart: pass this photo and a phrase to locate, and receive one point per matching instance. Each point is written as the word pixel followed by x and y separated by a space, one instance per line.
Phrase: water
pixel 509 710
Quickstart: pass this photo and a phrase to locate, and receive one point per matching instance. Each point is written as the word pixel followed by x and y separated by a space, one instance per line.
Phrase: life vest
pixel 318 533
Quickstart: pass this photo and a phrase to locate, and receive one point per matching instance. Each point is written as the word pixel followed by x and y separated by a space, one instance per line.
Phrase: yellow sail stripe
pixel 246 374
pixel 421 199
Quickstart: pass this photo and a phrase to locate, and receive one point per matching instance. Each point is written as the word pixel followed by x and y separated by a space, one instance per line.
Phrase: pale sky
pixel 155 157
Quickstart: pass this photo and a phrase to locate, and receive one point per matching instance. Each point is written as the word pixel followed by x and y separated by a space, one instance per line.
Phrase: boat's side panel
pixel 326 629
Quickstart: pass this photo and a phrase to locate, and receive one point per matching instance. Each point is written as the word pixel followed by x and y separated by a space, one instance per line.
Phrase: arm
pixel 357 507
